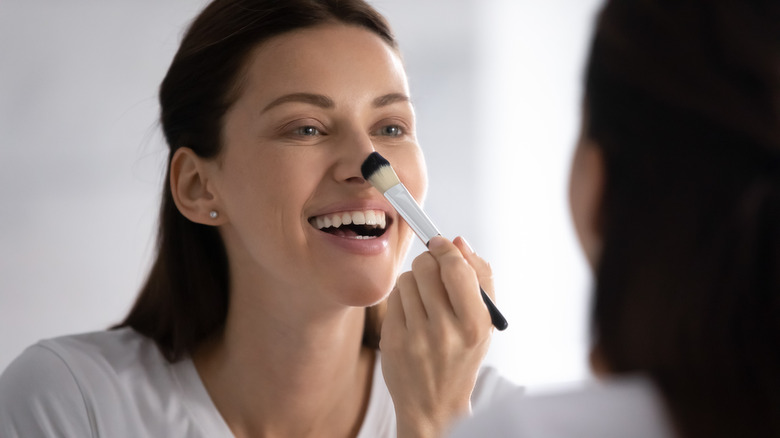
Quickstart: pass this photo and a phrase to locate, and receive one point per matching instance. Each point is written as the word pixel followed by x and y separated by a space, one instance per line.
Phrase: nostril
pixel 356 180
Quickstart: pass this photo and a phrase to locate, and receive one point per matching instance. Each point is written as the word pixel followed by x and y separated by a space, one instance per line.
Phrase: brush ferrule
pixel 411 212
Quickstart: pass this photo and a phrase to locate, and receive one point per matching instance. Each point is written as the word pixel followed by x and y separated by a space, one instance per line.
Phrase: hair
pixel 185 298
pixel 683 99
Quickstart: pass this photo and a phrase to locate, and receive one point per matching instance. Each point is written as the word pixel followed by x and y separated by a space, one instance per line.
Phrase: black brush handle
pixel 496 317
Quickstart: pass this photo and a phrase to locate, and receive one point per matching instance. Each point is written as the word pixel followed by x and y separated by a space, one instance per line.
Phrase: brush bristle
pixel 377 170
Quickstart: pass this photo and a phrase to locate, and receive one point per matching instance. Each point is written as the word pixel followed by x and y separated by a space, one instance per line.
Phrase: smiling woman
pixel 262 311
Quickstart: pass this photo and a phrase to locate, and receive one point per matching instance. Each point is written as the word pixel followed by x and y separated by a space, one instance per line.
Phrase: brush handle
pixel 498 320
pixel 423 227
pixel 413 214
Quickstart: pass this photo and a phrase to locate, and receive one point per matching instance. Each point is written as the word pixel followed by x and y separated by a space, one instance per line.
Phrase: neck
pixel 298 373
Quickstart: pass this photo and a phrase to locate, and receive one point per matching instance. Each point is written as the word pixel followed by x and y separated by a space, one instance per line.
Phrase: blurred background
pixel 497 89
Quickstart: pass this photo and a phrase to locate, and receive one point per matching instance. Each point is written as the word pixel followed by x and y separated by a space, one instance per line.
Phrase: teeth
pixel 376 218
pixel 371 218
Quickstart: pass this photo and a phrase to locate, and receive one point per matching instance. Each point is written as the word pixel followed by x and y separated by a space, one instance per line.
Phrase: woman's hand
pixel 435 334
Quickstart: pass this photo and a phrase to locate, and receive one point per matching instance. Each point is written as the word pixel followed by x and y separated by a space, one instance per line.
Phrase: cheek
pixel 585 187
pixel 575 192
pixel 411 170
pixel 414 176
pixel 265 185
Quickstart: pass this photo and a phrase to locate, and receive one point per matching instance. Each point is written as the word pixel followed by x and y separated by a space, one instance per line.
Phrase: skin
pixel 313 104
pixel 436 333
pixel 586 186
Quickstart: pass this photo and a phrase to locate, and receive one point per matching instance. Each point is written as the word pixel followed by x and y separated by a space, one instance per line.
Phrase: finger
pixel 481 267
pixel 432 291
pixel 394 316
pixel 459 279
pixel 413 307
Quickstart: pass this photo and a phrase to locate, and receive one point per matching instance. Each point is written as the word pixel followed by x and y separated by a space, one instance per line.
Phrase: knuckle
pixel 460 275
pixel 473 335
pixel 405 279
pixel 457 263
pixel 447 339
pixel 425 262
pixel 417 347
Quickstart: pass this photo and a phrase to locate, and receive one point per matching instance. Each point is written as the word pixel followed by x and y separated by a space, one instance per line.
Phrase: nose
pixel 350 152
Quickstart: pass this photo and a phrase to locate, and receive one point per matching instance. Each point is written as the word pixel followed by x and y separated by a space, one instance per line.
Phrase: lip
pixel 366 247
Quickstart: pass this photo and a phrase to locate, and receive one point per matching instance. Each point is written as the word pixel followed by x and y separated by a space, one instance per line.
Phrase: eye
pixel 391 131
pixel 308 131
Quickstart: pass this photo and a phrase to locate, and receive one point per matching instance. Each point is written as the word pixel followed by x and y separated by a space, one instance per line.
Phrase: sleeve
pixel 497 418
pixel 39 397
pixel 490 398
pixel 485 424
pixel 490 387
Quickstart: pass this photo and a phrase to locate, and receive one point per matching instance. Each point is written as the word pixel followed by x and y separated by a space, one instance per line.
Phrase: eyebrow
pixel 389 99
pixel 310 98
pixel 326 102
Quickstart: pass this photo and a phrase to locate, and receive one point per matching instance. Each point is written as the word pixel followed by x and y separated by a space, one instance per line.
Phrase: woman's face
pixel 313 104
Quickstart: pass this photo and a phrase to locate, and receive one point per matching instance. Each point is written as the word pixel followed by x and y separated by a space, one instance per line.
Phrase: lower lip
pixel 368 247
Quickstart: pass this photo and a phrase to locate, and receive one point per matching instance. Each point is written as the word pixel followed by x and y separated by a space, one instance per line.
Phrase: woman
pixel 675 195
pixel 260 315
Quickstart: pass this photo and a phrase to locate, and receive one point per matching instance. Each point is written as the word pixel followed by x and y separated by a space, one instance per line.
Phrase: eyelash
pixel 314 131
pixel 302 131
pixel 400 130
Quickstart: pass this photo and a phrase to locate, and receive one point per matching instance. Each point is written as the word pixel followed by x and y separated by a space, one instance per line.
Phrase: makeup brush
pixel 377 170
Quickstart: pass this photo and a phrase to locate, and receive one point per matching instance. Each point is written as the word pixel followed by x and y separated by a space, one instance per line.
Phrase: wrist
pixel 417 425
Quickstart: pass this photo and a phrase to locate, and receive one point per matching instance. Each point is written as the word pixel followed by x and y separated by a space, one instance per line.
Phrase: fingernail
pixel 466 244
pixel 436 242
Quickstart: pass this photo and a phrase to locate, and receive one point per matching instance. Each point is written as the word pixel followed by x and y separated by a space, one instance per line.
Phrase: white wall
pixel 496 85
pixel 531 60
pixel 80 159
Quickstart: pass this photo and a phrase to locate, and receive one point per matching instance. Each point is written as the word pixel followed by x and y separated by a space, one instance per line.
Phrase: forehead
pixel 324 59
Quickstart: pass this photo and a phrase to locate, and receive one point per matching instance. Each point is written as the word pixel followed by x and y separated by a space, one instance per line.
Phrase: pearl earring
pixel 213 214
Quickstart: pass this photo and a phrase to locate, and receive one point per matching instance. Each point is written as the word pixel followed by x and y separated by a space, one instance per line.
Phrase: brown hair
pixel 683 98
pixel 185 298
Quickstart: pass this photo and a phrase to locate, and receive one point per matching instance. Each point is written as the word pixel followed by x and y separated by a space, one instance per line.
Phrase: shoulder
pixel 108 345
pixel 78 384
pixel 96 358
pixel 39 394
pixel 615 408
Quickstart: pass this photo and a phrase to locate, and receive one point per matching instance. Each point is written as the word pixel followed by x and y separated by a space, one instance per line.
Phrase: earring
pixel 213 214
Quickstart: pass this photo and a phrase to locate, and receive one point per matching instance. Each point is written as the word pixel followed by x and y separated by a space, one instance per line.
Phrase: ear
pixel 598 365
pixel 191 188
pixel 586 190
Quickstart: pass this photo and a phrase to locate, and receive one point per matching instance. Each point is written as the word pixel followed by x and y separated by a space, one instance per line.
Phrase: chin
pixel 366 298
pixel 365 293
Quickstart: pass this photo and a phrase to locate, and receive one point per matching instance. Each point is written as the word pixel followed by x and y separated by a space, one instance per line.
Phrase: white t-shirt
pixel 619 408
pixel 117 384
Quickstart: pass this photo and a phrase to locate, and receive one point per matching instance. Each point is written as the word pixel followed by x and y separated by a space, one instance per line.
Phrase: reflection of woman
pixel 675 193
pixel 271 247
